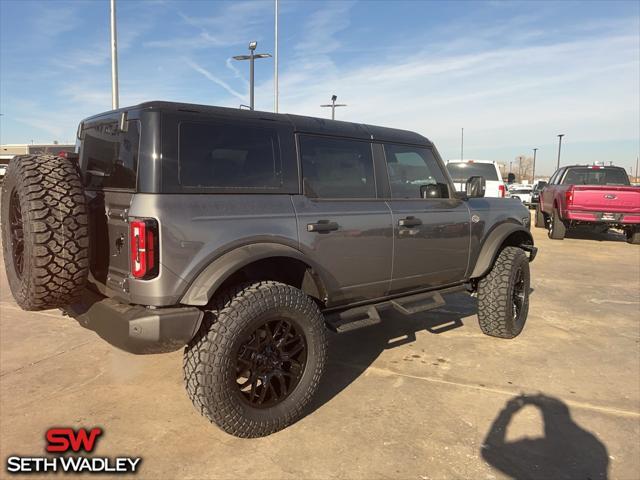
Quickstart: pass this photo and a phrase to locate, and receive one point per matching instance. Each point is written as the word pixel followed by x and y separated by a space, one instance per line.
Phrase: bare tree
pixel 523 168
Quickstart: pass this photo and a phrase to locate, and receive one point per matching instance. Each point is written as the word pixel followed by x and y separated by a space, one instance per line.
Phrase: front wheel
pixel 503 295
pixel 257 359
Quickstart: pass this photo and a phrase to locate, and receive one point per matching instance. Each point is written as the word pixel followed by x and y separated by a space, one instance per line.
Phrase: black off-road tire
pixel 44 197
pixel 557 229
pixel 633 236
pixel 496 313
pixel 540 221
pixel 210 358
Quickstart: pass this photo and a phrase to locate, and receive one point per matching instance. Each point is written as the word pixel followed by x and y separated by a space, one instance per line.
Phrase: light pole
pixel 559 148
pixel 251 57
pixel 115 97
pixel 275 63
pixel 333 106
pixel 462 144
pixel 533 173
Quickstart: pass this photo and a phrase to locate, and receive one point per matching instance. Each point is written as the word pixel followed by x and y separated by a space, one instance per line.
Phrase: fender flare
pixel 210 279
pixel 493 242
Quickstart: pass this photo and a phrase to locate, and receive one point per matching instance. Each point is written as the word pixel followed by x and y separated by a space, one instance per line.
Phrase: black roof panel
pixel 298 122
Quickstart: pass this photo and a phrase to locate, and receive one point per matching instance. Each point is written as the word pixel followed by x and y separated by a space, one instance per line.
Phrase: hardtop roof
pixel 299 123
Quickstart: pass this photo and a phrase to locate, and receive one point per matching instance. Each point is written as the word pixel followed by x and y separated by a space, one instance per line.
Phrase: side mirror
pixel 476 187
pixel 434 190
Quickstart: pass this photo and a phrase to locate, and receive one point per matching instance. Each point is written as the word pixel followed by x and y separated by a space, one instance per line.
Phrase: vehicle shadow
pixel 585 233
pixel 567 451
pixel 351 353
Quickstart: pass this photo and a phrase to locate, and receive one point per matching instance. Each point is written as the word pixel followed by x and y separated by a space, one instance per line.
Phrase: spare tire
pixel 45 237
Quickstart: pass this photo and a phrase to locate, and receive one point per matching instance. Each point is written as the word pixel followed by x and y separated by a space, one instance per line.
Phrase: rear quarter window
pixel 235 157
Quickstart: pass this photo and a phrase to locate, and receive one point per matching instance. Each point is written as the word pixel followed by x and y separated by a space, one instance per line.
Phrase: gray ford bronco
pixel 241 236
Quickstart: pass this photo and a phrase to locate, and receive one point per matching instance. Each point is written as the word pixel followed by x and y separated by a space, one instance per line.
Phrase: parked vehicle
pixel 590 195
pixel 535 193
pixel 462 170
pixel 239 234
pixel 522 193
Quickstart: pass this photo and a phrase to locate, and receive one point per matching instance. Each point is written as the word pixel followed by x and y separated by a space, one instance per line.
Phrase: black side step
pixel 418 303
pixel 353 319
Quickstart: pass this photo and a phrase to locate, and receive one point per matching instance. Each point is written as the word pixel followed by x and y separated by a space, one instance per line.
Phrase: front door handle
pixel 409 222
pixel 323 226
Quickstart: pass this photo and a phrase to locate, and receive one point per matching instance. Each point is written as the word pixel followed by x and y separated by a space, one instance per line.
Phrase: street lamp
pixel 251 57
pixel 333 106
pixel 533 173
pixel 559 148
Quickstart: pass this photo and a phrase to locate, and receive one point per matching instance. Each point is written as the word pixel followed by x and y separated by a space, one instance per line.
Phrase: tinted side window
pixel 336 168
pixel 109 157
pixel 229 156
pixel 412 167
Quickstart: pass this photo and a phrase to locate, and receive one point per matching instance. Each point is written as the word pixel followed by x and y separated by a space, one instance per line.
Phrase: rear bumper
pixel 601 217
pixel 134 328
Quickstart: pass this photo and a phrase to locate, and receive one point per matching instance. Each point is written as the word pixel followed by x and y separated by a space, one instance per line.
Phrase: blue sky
pixel 513 74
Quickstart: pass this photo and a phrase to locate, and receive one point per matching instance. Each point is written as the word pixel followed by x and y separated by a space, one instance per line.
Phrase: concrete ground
pixel 415 398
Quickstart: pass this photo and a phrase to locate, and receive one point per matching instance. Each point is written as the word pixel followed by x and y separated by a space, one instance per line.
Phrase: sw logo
pixel 65 440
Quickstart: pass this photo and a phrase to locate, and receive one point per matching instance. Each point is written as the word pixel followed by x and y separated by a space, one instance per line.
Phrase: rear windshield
pixel 229 157
pixel 462 171
pixel 595 176
pixel 521 190
pixel 109 156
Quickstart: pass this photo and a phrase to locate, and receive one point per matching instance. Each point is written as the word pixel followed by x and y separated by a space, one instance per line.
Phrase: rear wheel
pixel 256 361
pixel 633 235
pixel 503 295
pixel 540 220
pixel 557 228
pixel 45 238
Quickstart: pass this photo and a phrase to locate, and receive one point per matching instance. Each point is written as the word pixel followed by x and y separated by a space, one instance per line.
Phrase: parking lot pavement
pixel 422 397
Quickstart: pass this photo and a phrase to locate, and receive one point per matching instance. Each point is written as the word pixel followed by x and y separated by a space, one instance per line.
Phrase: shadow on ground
pixel 588 233
pixel 566 451
pixel 351 353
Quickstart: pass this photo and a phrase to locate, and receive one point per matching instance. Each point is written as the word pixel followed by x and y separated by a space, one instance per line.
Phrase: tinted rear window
pixel 592 176
pixel 229 156
pixel 109 157
pixel 462 171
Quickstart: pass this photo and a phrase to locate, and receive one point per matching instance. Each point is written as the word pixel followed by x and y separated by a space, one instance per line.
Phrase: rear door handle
pixel 323 226
pixel 409 222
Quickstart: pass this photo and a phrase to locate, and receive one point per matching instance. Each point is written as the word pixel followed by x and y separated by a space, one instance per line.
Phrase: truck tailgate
pixel 606 198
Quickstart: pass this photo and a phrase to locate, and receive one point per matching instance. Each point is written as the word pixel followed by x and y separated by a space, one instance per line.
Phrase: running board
pixel 418 303
pixel 367 315
pixel 353 319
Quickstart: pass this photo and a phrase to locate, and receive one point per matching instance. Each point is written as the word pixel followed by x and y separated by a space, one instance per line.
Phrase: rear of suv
pixel 240 235
pixel 462 170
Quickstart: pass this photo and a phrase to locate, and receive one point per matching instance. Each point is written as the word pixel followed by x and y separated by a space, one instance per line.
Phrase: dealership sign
pixel 69 441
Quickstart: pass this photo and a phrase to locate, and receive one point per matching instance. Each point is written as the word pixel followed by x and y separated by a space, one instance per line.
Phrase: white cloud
pixel 203 71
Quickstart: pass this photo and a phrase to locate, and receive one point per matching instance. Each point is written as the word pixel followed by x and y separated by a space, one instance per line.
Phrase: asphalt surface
pixel 423 397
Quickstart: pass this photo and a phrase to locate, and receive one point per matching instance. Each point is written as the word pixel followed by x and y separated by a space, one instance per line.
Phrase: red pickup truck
pixel 593 195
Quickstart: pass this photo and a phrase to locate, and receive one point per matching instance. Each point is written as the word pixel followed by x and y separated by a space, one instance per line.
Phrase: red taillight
pixel 503 190
pixel 568 197
pixel 143 238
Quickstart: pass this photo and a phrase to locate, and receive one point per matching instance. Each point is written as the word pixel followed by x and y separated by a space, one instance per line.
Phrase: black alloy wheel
pixel 270 363
pixel 16 228
pixel 518 295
